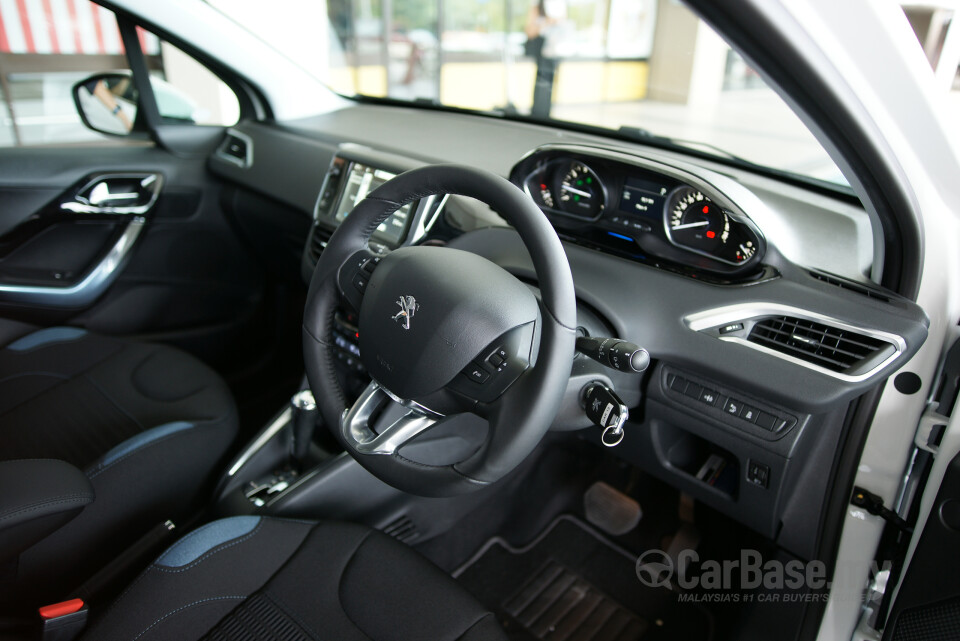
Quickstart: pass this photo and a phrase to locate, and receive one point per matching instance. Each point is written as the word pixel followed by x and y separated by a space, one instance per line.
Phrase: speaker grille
pixel 936 622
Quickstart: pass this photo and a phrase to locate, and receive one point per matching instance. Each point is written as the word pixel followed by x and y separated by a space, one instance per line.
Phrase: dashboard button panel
pixel 728 406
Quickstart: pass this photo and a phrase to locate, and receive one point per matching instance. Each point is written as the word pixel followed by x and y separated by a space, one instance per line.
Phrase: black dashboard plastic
pixel 773 480
pixel 650 312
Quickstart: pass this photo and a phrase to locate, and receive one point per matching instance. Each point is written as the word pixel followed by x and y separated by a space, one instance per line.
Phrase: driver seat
pixel 251 577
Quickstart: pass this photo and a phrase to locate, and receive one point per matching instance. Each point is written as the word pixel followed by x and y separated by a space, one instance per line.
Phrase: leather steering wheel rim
pixel 522 415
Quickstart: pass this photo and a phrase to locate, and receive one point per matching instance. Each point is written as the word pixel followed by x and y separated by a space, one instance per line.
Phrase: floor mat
pixel 572 585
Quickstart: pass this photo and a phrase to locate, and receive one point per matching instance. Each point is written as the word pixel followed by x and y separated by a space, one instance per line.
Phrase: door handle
pixel 116 194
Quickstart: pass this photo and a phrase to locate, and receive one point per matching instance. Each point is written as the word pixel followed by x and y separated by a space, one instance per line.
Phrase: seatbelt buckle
pixel 63 621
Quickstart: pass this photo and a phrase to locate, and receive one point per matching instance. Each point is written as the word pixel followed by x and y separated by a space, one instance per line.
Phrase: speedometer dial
pixel 580 191
pixel 696 222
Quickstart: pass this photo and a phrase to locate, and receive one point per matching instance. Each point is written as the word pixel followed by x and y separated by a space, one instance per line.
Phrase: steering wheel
pixel 442 332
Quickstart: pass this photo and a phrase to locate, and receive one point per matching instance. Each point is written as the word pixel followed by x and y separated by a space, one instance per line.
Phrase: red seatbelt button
pixel 60 609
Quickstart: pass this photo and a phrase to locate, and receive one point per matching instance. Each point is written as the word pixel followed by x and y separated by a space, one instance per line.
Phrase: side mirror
pixel 107 102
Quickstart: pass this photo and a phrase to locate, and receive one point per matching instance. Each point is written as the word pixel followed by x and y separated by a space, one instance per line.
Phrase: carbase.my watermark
pixel 734 580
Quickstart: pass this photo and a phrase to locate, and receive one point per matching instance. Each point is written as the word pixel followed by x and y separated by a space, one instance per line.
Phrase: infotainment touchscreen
pixel 361 180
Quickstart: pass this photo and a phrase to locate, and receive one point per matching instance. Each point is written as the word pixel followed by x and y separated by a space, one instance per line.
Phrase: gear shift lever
pixel 302 423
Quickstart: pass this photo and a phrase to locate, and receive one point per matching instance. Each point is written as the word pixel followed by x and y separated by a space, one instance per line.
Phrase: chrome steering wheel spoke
pixel 355 423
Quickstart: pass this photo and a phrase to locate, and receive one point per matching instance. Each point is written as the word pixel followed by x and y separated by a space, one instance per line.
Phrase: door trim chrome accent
pixel 90 287
pixel 81 205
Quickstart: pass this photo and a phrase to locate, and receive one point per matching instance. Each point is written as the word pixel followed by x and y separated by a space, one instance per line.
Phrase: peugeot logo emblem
pixel 408 307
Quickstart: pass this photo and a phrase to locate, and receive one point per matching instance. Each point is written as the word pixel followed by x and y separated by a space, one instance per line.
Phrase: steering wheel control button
pixel 693 390
pixel 748 413
pixel 495 360
pixel 477 374
pixel 370 264
pixel 360 283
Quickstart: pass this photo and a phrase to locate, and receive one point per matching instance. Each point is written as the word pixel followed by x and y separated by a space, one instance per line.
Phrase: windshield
pixel 626 65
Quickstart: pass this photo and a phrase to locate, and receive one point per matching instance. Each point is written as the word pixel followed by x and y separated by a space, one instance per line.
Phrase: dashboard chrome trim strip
pixel 745 312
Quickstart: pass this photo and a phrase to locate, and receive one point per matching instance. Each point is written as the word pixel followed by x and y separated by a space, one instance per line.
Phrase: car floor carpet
pixel 570 584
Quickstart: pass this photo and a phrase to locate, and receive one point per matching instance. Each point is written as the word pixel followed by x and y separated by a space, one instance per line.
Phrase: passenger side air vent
pixel 236 149
pixel 852 286
pixel 837 350
pixel 318 242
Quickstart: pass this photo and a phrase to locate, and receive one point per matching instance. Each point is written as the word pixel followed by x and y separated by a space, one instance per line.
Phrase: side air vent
pixel 837 350
pixel 318 242
pixel 402 529
pixel 852 286
pixel 237 149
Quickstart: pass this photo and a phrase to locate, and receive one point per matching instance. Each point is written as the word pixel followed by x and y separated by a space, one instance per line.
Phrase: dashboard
pixel 752 295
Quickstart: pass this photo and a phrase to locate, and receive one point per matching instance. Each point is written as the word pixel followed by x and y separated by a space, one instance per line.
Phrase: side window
pixel 185 90
pixel 46 47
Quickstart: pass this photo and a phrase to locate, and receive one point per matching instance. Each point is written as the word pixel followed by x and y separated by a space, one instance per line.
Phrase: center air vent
pixel 834 349
pixel 318 242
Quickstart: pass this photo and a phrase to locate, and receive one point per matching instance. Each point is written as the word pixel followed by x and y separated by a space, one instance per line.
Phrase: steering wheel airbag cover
pixel 428 311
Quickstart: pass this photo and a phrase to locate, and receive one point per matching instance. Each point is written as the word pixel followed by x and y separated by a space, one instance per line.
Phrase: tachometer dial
pixel 696 222
pixel 580 191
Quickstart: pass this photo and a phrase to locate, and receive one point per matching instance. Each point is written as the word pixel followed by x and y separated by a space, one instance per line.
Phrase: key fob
pixel 605 410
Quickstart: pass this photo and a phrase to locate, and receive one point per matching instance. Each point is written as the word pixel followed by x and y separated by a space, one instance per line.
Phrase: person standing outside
pixel 543 24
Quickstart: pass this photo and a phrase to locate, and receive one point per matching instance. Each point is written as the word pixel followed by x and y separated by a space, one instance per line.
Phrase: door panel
pixel 68 253
pixel 187 278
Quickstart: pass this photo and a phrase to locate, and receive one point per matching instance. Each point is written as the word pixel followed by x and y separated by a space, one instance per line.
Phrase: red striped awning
pixel 63 27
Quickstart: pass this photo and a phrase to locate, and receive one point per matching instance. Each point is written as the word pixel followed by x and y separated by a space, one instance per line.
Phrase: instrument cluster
pixel 641 211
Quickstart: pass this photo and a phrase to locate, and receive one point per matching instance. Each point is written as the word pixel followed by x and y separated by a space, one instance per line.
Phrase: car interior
pixel 400 371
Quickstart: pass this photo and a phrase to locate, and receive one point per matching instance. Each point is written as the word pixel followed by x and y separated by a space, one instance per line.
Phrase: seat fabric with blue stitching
pixel 251 577
pixel 148 424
